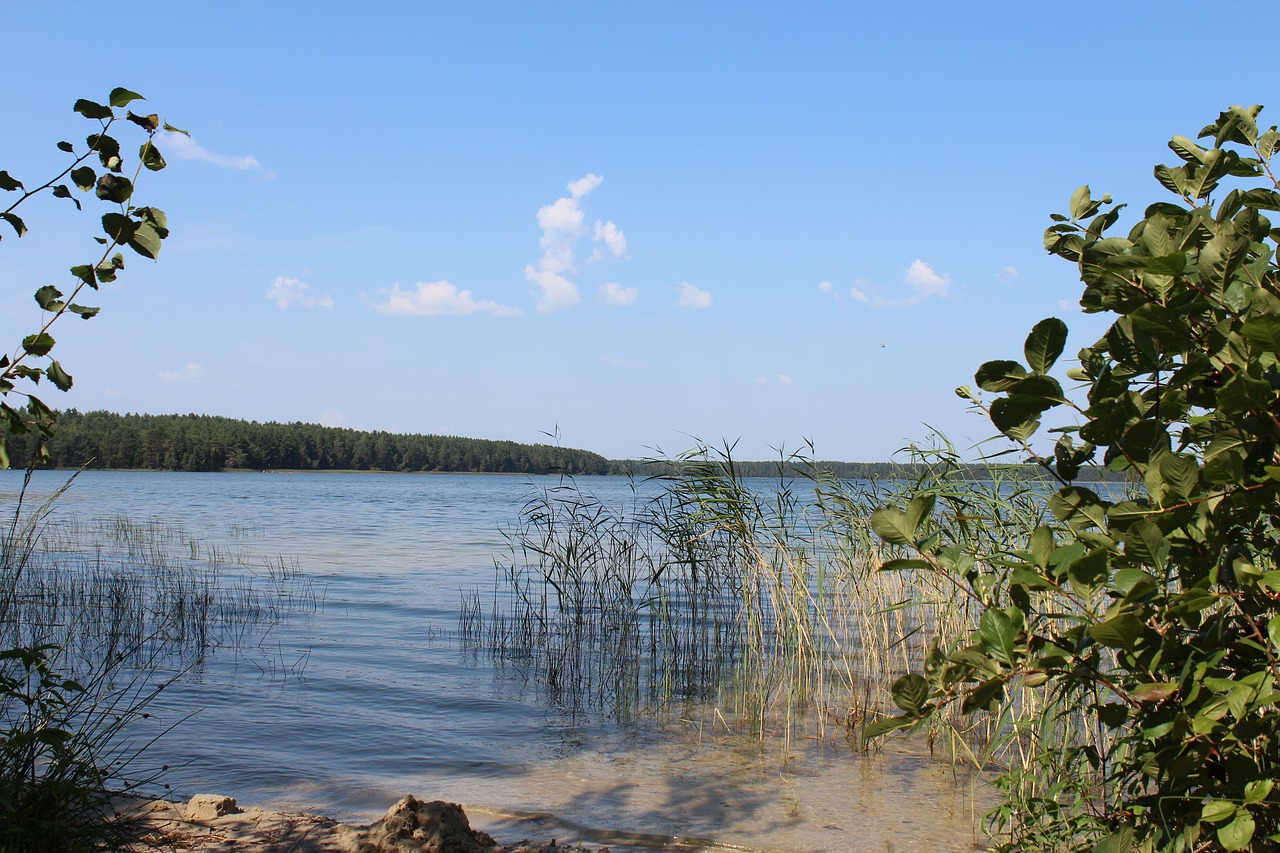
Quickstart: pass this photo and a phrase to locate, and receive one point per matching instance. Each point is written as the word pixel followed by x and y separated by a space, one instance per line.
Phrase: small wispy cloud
pixel 629 363
pixel 437 298
pixel 1009 274
pixel 615 294
pixel 615 242
pixel 692 297
pixel 185 148
pixel 922 279
pixel 332 418
pixel 779 379
pixel 288 292
pixel 189 373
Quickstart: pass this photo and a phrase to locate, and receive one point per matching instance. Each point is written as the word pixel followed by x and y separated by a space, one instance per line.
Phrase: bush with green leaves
pixel 98 167
pixel 58 753
pixel 1149 618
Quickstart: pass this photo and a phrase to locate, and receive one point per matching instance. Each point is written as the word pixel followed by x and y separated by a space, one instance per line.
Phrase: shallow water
pixel 345 710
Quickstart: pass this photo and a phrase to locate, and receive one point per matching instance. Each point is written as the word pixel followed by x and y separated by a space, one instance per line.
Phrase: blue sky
pixel 635 224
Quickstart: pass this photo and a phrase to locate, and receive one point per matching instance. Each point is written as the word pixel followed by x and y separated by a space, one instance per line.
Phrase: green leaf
pixel 118 227
pixel 61 191
pixel 145 240
pixel 1186 149
pixel 999 631
pixel 18 225
pixel 885 725
pixel 910 693
pixel 1119 632
pixel 114 188
pixel 67 147
pixel 999 375
pixel 892 525
pixel 1144 542
pixel 83 178
pixel 149 123
pixel 1237 834
pixel 123 97
pixel 83 311
pixel 47 298
pixel 1120 841
pixel 1216 811
pixel 38 344
pixel 59 377
pixel 1078 507
pixel 986 696
pixel 918 509
pixel 8 182
pixel 1042 546
pixel 1263 331
pixel 1155 691
pixel 903 565
pixel 89 109
pixel 1045 344
pixel 1257 791
pixel 150 157
pixel 1081 203
pixel 1018 415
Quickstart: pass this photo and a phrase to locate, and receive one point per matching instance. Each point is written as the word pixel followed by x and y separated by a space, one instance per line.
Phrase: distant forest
pixel 209 443
pixel 108 440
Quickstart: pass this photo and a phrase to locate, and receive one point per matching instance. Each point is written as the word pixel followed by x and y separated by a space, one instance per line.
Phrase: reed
pixel 97 617
pixel 759 604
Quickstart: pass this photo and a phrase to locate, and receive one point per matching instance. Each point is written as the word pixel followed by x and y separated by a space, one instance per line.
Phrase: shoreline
pixel 209 823
pixel 217 824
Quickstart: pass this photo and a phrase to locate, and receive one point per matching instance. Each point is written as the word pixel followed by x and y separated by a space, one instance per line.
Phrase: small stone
pixel 210 807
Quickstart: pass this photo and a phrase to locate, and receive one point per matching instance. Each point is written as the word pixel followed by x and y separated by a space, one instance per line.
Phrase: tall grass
pixel 759 602
pixel 97 617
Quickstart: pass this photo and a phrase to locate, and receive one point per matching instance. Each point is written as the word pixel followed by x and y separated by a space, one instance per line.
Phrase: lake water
pixel 344 710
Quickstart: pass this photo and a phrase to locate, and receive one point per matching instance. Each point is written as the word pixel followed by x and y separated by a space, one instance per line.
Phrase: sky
pixel 628 227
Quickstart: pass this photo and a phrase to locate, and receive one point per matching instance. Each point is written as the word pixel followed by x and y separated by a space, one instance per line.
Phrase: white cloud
pixel 332 418
pixel 921 278
pixel 184 147
pixel 692 297
pixel 189 373
pixel 781 379
pixel 563 224
pixel 557 291
pixel 585 184
pixel 784 379
pixel 824 286
pixel 615 294
pixel 612 237
pixel 287 292
pixel 436 298
pixel 625 362
pixel 1009 274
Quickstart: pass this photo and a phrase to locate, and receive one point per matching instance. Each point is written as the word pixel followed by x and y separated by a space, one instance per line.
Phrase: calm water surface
pixel 345 710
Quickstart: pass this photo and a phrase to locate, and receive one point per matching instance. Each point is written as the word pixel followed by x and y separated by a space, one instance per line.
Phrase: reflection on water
pixel 346 710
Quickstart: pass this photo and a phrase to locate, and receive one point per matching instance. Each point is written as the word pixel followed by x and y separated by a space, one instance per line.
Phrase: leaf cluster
pixel 97 172
pixel 1153 616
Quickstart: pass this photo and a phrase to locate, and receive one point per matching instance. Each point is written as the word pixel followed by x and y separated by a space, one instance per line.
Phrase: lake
pixel 372 696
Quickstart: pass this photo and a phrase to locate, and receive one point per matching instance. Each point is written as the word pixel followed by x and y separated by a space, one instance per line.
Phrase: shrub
pixel 1150 619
